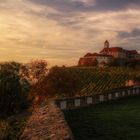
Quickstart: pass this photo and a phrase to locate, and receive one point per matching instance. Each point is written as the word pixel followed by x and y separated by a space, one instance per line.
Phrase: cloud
pixel 134 33
pixel 61 31
pixel 116 5
pixel 88 5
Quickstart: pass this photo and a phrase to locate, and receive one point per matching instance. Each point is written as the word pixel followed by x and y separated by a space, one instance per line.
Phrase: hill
pixel 81 81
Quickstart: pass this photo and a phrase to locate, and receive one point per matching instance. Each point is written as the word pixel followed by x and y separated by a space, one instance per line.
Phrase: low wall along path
pixel 65 104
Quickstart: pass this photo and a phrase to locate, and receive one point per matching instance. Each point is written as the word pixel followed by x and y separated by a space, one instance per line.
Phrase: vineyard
pixel 65 82
pixel 95 80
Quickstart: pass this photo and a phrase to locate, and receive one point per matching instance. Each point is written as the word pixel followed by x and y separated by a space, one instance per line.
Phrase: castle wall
pixel 103 59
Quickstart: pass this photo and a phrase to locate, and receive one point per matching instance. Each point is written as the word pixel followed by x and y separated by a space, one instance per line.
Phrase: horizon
pixel 61 31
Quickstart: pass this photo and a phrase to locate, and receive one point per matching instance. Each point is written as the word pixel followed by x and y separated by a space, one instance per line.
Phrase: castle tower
pixel 106 44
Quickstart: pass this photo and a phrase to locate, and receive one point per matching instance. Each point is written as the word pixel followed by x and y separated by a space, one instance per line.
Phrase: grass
pixel 114 120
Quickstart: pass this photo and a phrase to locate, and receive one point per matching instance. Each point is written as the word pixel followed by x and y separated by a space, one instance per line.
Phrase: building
pixel 92 59
pixel 118 52
pixel 107 55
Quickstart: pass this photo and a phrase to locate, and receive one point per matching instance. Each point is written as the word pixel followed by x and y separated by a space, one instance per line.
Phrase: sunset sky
pixel 61 31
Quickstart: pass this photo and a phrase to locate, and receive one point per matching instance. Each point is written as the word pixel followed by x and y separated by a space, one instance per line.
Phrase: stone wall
pixel 72 103
pixel 47 123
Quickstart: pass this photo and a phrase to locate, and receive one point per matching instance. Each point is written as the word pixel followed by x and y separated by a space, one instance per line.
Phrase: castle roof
pixel 112 49
pixel 119 49
pixel 96 54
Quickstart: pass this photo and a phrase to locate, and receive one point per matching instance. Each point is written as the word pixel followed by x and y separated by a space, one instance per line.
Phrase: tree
pixel 13 89
pixel 59 82
pixel 34 71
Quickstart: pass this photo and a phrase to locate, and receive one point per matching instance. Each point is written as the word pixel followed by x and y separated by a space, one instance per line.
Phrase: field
pixel 115 120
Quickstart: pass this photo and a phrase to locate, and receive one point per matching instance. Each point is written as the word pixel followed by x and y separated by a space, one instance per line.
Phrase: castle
pixel 108 54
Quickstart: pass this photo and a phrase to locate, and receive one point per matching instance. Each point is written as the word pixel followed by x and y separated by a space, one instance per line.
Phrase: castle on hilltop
pixel 108 55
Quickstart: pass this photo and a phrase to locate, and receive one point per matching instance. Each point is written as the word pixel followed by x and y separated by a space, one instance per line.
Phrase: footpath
pixel 47 123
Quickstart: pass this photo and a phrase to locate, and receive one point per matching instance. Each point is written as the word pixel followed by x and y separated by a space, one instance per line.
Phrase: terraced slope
pixel 96 80
pixel 67 82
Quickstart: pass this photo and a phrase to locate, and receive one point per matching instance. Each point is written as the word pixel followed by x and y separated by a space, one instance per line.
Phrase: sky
pixel 61 31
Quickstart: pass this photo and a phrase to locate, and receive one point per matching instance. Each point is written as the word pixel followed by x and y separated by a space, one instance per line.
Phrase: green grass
pixel 115 120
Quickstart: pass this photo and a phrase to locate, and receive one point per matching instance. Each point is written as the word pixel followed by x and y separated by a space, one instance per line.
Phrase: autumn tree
pixel 34 71
pixel 58 82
